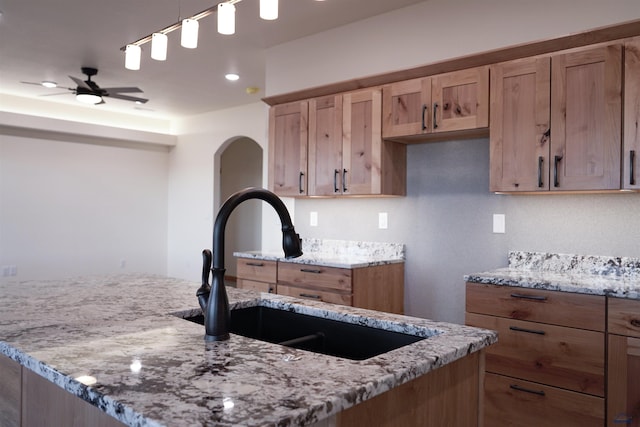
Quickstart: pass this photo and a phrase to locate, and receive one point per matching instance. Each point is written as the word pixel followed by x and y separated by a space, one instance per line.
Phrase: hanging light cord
pixel 166 30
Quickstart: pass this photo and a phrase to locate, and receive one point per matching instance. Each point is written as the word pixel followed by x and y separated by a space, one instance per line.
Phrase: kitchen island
pixel 121 344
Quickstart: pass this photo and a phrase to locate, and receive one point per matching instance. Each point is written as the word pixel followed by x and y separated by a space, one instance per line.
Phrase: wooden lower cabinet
pixel 28 400
pixel 447 396
pixel 379 287
pixel 517 403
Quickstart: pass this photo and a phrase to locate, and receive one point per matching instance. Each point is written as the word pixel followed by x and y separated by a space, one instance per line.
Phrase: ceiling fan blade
pixel 80 83
pixel 32 83
pixel 127 97
pixel 55 94
pixel 122 89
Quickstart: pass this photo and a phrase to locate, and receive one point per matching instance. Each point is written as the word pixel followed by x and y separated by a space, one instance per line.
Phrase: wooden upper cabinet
pixel 631 144
pixel 325 145
pixel 346 153
pixel 586 115
pixel 519 136
pixel 288 140
pixel 450 102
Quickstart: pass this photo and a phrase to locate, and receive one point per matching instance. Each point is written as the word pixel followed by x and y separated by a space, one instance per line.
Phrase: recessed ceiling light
pixel 47 83
pixel 231 76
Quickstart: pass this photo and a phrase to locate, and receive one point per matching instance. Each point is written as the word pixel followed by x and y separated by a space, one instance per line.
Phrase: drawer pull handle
pixel 424 112
pixel 311 270
pixel 255 264
pixel 530 297
pixel 526 390
pixel 529 331
pixel 312 296
pixel 635 323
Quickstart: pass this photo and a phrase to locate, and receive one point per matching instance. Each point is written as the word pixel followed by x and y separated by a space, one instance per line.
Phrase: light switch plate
pixel 313 219
pixel 499 223
pixel 383 220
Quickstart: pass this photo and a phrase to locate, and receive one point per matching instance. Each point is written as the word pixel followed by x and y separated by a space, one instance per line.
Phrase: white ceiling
pixel 52 39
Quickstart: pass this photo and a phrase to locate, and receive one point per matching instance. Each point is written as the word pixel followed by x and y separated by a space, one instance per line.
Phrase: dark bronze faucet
pixel 213 299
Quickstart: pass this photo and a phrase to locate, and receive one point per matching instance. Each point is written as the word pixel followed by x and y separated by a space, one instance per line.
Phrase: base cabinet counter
pixel 569 329
pixel 119 350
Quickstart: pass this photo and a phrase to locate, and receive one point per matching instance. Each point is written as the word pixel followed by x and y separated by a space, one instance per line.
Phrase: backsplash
pixel 343 248
pixel 624 267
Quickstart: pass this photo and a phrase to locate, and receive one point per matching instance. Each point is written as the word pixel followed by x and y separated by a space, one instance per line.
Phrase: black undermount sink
pixel 312 333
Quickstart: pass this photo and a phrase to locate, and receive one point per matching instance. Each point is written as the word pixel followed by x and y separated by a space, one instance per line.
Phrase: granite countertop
pixel 337 253
pixel 586 274
pixel 152 368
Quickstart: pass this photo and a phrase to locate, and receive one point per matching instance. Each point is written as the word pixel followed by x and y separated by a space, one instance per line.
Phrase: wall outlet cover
pixel 499 225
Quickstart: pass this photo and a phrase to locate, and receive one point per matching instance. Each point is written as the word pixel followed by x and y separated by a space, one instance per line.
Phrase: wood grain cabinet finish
pixel 450 102
pixel 623 392
pixel 556 122
pixel 631 144
pixel 257 275
pixel 550 356
pixel 288 140
pixel 347 155
pixel 10 392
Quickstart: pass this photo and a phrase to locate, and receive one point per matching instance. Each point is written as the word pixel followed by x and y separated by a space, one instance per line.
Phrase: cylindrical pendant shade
pixel 132 55
pixel 269 9
pixel 189 37
pixel 226 18
pixel 159 46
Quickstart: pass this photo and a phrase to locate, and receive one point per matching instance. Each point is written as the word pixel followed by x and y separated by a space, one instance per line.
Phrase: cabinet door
pixel 631 160
pixel 10 392
pixel 586 119
pixel 362 143
pixel 288 149
pixel 460 100
pixel 325 146
pixel 519 125
pixel 406 108
pixel 623 393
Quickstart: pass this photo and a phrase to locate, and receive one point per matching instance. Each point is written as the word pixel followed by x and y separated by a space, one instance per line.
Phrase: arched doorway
pixel 240 166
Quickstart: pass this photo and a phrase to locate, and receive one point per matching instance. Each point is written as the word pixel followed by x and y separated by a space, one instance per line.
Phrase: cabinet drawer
pixel 315 276
pixel 556 308
pixel 624 317
pixel 256 286
pixel 315 294
pixel 258 270
pixel 511 402
pixel 563 357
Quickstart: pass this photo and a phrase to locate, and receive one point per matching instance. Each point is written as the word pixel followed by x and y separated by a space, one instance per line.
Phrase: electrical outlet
pixel 499 223
pixel 383 220
pixel 313 219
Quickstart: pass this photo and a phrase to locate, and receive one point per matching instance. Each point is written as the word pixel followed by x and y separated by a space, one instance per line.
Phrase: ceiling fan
pixel 89 92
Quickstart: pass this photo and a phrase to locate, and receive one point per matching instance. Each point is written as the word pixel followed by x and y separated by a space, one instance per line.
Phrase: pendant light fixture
pixel 189 37
pixel 159 46
pixel 269 9
pixel 226 18
pixel 132 56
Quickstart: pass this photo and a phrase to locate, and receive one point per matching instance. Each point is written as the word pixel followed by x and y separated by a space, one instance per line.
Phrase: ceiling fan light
pixel 226 18
pixel 132 56
pixel 269 9
pixel 189 36
pixel 49 84
pixel 89 98
pixel 159 46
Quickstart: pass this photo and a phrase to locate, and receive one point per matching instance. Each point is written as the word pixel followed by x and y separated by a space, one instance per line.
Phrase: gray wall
pixel 445 223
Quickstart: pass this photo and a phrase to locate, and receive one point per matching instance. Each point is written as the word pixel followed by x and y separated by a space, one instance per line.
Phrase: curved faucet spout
pixel 216 312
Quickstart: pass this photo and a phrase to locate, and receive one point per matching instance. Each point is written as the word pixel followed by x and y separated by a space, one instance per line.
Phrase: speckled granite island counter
pixel 150 367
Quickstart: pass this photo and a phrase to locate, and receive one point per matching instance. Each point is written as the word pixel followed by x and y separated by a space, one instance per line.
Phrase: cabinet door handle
pixel 311 270
pixel 530 297
pixel 344 180
pixel 435 113
pixel 424 113
pixel 300 178
pixel 336 172
pixel 526 390
pixel 528 331
pixel 540 165
pixel 255 264
pixel 556 160
pixel 311 296
pixel 632 163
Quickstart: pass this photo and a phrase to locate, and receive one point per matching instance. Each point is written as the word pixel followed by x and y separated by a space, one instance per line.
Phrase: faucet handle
pixel 205 289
